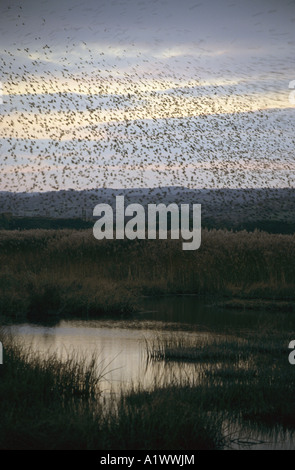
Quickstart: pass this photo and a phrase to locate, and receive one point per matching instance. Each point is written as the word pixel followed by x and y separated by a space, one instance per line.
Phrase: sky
pixel 146 93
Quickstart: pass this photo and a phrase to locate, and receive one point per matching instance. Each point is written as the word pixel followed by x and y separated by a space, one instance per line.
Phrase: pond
pixel 121 343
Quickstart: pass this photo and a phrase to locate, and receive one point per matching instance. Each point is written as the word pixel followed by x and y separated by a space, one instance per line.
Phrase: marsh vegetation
pixel 237 387
pixel 69 272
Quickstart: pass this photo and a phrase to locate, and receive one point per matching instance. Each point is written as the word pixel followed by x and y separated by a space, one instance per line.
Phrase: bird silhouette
pixel 74 117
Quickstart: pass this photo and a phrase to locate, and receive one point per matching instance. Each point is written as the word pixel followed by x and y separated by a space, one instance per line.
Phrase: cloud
pixel 146 90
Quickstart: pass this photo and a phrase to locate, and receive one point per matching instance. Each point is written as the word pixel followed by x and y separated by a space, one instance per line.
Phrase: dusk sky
pixel 146 93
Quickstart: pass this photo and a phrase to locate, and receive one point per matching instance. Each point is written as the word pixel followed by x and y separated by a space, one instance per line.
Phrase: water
pixel 121 344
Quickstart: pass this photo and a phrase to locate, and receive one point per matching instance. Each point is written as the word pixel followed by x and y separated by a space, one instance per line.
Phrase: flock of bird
pixel 84 121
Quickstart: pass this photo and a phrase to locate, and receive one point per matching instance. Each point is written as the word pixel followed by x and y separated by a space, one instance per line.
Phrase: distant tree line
pixel 9 222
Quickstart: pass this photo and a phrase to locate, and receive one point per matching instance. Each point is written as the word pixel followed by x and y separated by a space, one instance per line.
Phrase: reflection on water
pixel 268 439
pixel 121 351
pixel 120 344
pixel 121 348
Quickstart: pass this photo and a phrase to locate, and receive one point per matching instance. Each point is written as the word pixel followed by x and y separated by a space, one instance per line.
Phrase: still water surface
pixel 121 344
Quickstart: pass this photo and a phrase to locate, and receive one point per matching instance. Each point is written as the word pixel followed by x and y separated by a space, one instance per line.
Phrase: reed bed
pixel 246 377
pixel 70 272
pixel 183 347
pixel 49 403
